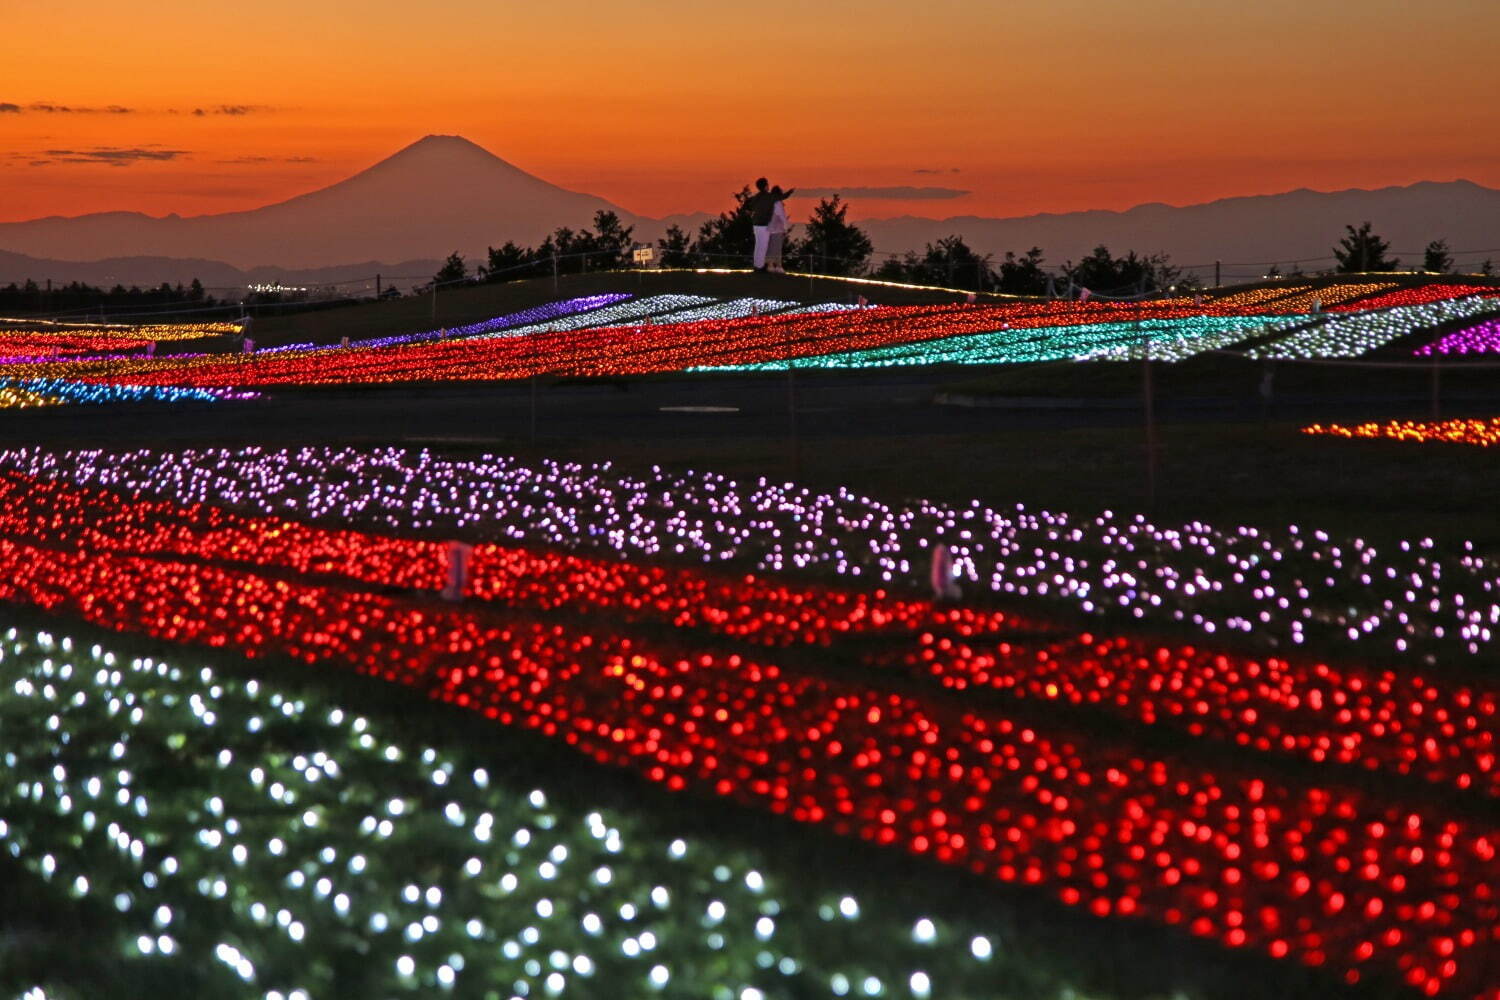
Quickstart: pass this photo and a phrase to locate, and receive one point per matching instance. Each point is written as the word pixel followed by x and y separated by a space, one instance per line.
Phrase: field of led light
pixel 620 334
pixel 1331 813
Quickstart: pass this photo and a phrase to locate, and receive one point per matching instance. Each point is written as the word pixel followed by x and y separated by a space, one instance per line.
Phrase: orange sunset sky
pixel 667 106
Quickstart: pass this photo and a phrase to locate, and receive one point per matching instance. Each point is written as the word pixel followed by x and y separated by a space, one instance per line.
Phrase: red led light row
pixel 41 344
pixel 1419 295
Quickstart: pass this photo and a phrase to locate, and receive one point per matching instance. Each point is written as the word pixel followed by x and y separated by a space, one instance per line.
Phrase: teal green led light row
pixel 1170 339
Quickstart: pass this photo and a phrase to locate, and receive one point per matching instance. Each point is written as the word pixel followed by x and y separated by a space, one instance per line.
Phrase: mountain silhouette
pixel 444 193
pixel 1246 234
pixel 440 194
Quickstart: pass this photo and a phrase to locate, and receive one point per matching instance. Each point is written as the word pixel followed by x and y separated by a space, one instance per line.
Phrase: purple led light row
pixel 536 314
pixel 1482 338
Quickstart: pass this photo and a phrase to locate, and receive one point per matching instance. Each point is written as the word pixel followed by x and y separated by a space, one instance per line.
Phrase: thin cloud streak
pixel 896 193
pixel 48 108
pixel 52 108
pixel 270 159
pixel 112 156
pixel 233 110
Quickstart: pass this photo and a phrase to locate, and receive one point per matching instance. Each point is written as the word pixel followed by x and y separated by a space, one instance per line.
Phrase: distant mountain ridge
pixel 444 193
pixel 1256 230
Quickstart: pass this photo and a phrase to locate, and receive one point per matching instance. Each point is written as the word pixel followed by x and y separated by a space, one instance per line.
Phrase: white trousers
pixel 774 248
pixel 762 239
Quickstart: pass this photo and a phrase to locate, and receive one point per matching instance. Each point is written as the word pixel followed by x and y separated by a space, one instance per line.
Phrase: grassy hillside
pixel 470 304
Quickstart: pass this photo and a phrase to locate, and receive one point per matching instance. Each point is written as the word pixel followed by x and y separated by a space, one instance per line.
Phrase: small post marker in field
pixel 944 586
pixel 459 554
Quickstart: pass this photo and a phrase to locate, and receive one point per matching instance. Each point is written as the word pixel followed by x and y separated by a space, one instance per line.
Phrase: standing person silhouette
pixel 762 206
pixel 777 231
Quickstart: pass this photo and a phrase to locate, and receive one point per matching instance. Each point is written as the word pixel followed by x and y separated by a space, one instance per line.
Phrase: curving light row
pixel 1169 339
pixel 54 392
pixel 547 312
pixel 1349 335
pixel 1420 295
pixel 1481 338
pixel 1457 431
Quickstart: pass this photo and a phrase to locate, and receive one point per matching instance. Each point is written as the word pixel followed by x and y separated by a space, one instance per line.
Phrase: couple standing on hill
pixel 767 208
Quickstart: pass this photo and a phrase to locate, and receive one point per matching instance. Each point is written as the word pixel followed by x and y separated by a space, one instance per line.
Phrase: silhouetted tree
pixel 949 263
pixel 1102 272
pixel 610 242
pixel 1487 268
pixel 588 250
pixel 1023 275
pixel 565 246
pixel 1361 250
pixel 830 244
pixel 1436 258
pixel 675 247
pixel 453 269
pixel 729 235
pixel 899 268
pixel 507 263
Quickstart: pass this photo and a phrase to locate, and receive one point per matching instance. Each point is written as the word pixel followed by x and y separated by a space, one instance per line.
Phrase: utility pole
pixel 535 360
pixel 1149 406
pixel 377 287
pixel 554 272
pixel 1437 376
pixel 1217 265
pixel 791 407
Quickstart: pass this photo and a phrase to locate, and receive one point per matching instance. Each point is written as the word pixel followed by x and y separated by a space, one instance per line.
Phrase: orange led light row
pixel 1482 433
